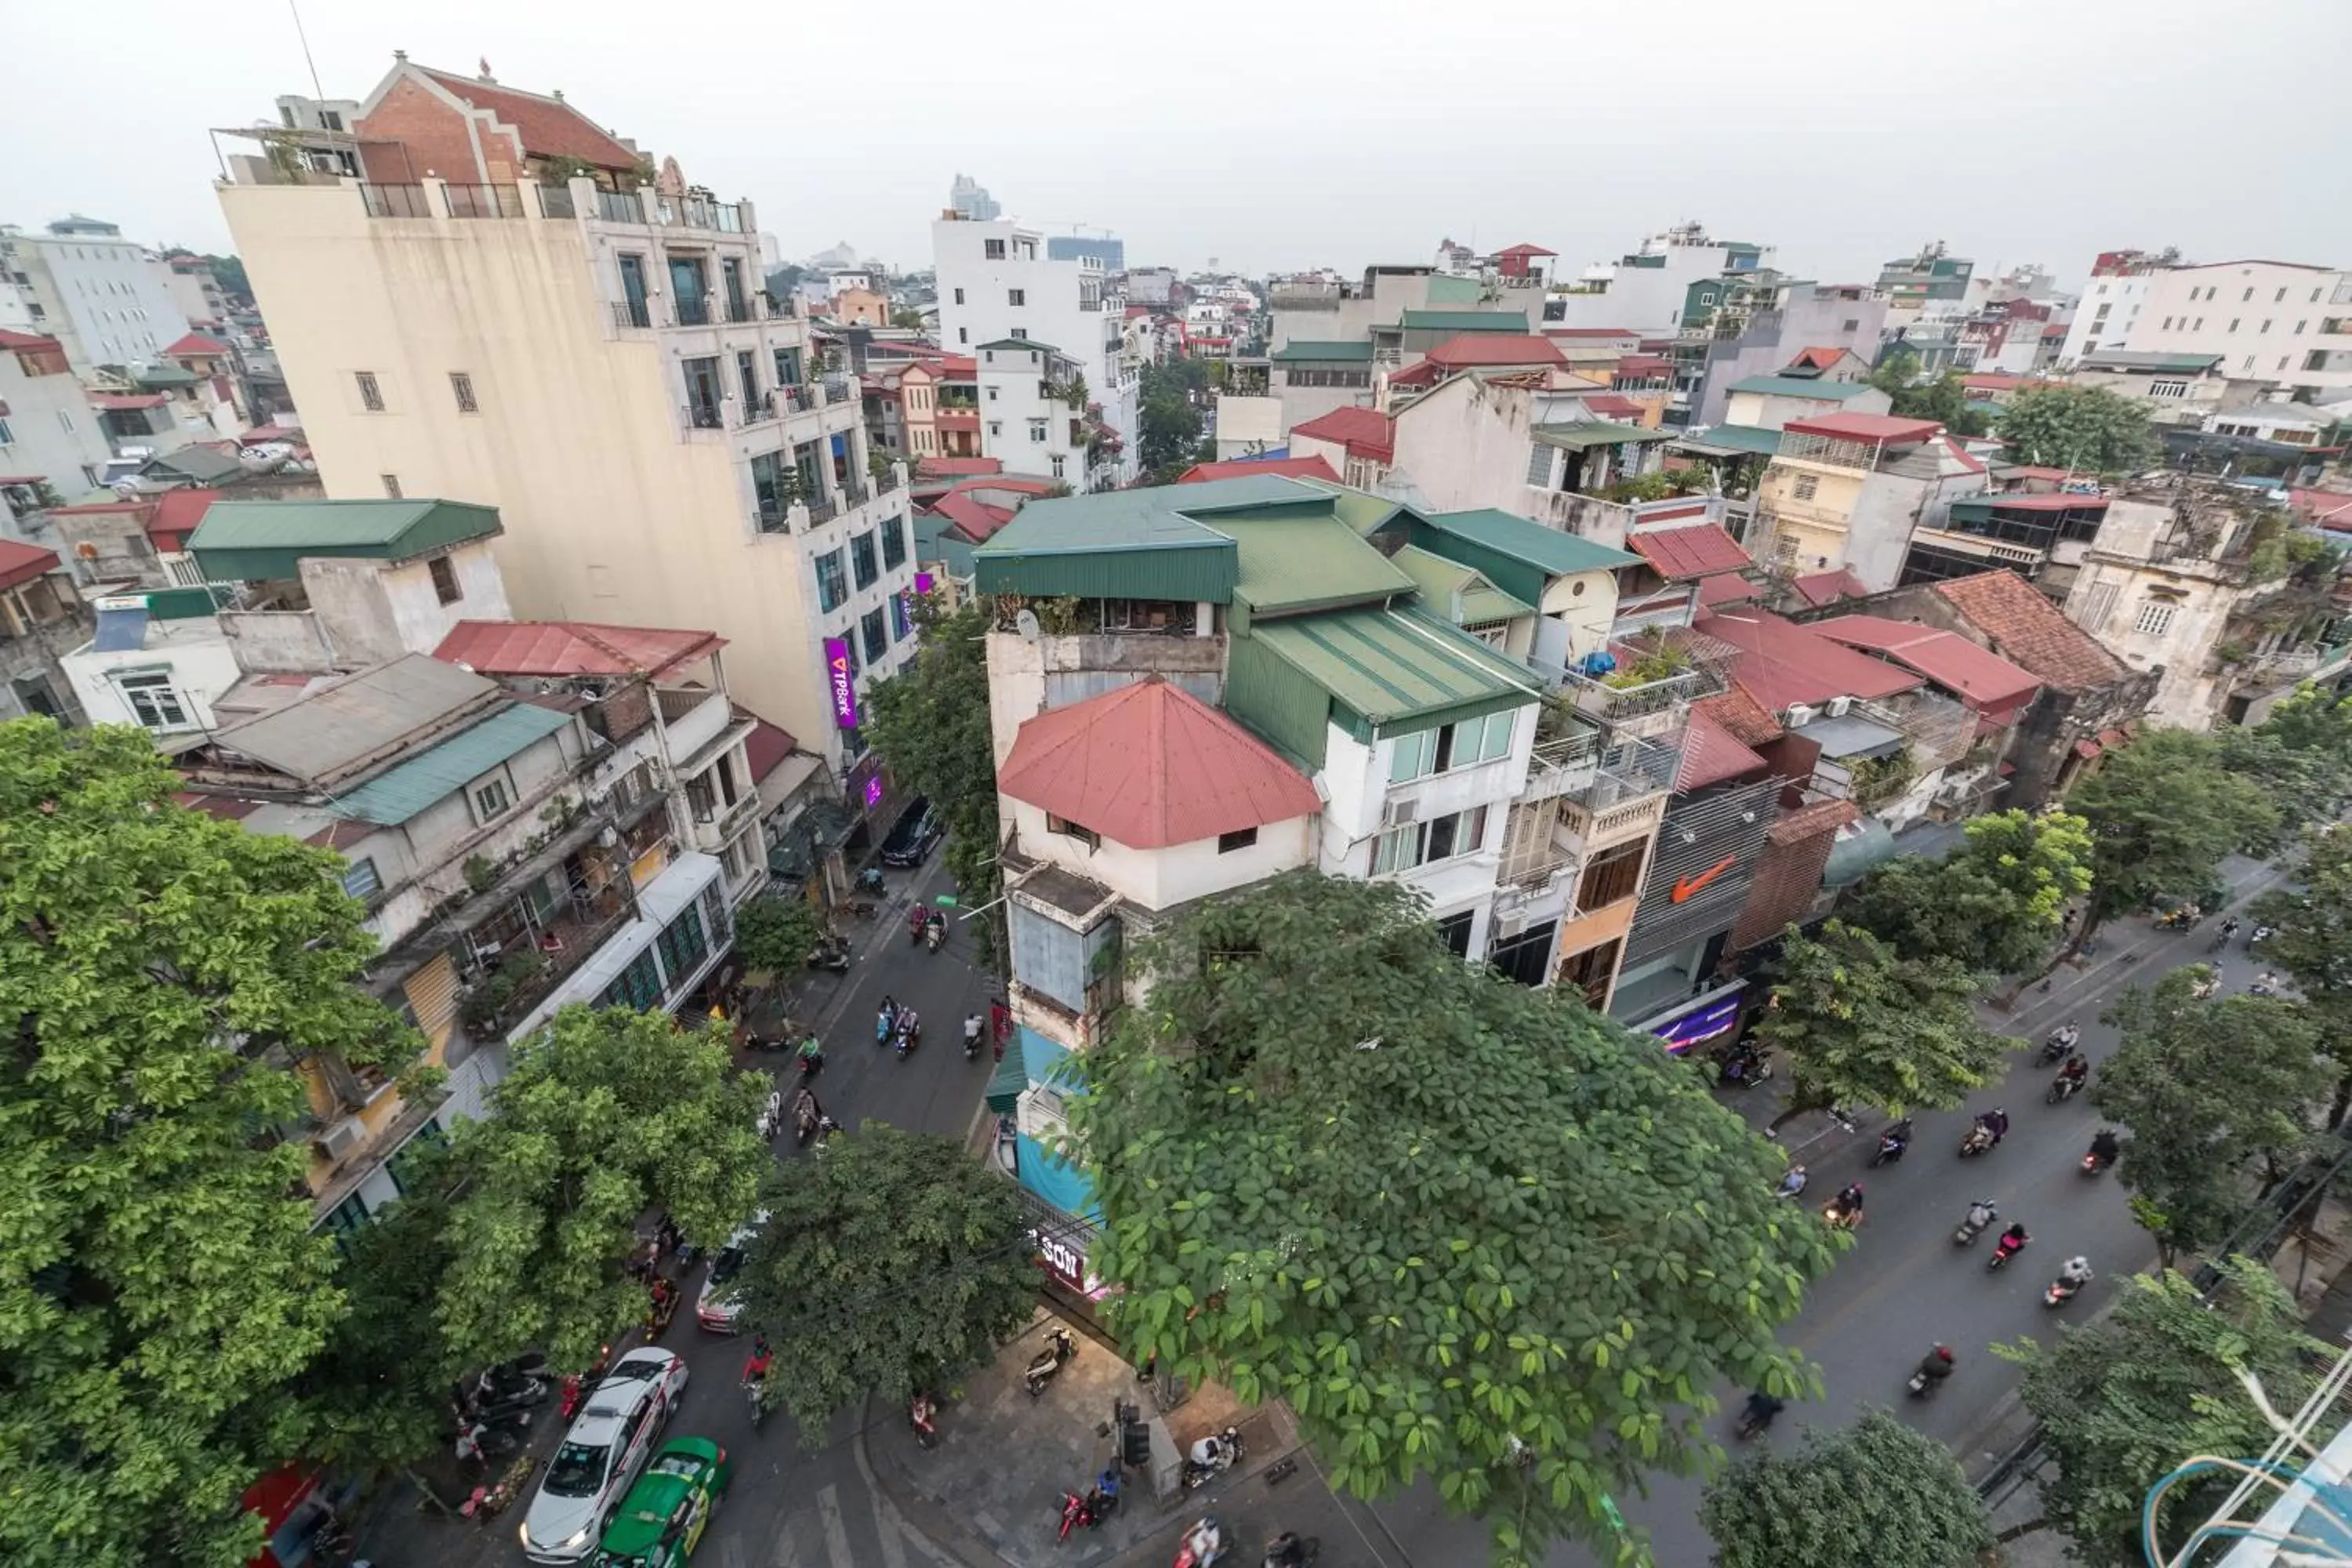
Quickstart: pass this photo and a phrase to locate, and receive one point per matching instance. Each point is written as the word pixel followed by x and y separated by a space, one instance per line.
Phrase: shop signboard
pixel 1702 1021
pixel 841 681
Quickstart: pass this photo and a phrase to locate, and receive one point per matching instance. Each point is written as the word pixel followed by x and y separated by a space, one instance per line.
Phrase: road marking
pixel 886 1531
pixel 788 1553
pixel 836 1535
pixel 730 1552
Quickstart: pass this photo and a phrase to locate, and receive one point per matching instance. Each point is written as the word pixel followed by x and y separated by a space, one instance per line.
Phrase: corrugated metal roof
pixel 239 540
pixel 1463 320
pixel 1730 438
pixel 400 793
pixel 1457 592
pixel 1141 543
pixel 1323 351
pixel 1308 563
pixel 1803 386
pixel 1576 435
pixel 1547 549
pixel 1397 668
pixel 342 730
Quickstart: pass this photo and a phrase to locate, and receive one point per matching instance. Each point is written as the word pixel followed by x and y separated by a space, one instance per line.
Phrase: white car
pixel 718 1308
pixel 601 1456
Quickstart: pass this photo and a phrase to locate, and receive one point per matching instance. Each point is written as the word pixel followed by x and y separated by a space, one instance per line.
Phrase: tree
pixel 2163 813
pixel 1169 420
pixel 1996 905
pixel 1873 1493
pixel 777 933
pixel 2202 1088
pixel 906 319
pixel 1944 399
pixel 2128 1397
pixel 2088 428
pixel 162 975
pixel 607 1115
pixel 895 1263
pixel 2311 939
pixel 2301 757
pixel 1861 1024
pixel 1309 1193
pixel 929 726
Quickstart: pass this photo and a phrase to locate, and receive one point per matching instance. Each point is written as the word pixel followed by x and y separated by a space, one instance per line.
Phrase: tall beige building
pixel 593 354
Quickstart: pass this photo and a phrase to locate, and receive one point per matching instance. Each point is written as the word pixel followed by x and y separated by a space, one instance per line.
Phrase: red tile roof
pixel 22 563
pixel 1364 434
pixel 766 747
pixel 947 468
pixel 1495 348
pixel 1818 358
pixel 549 128
pixel 1712 754
pixel 1781 664
pixel 959 365
pixel 973 518
pixel 1150 765
pixel 1742 715
pixel 565 648
pixel 1865 427
pixel 1997 381
pixel 273 432
pixel 1611 406
pixel 2030 631
pixel 1525 250
pixel 1819 588
pixel 2028 472
pixel 1243 468
pixel 178 511
pixel 1683 551
pixel 196 345
pixel 1985 681
pixel 1421 373
pixel 2328 509
pixel 115 402
pixel 1810 821
pixel 1966 459
pixel 1726 589
pixel 29 340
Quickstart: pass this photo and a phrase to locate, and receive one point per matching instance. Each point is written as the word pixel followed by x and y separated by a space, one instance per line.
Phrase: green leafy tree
pixel 163 972
pixel 906 319
pixel 1872 1494
pixel 2202 1088
pixel 2163 813
pixel 929 725
pixel 1996 904
pixel 2083 428
pixel 1862 1025
pixel 2302 757
pixel 777 933
pixel 1307 1194
pixel 2128 1396
pixel 2310 925
pixel 1170 425
pixel 895 1263
pixel 607 1115
pixel 1945 399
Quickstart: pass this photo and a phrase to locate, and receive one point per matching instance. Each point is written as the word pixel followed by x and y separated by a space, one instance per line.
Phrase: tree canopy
pixel 777 933
pixel 161 974
pixel 1996 904
pixel 1872 1494
pixel 1169 418
pixel 2088 428
pixel 2202 1088
pixel 1862 1025
pixel 2163 812
pixel 895 1263
pixel 1307 1191
pixel 2311 927
pixel 2127 1396
pixel 928 723
pixel 1945 399
pixel 2301 757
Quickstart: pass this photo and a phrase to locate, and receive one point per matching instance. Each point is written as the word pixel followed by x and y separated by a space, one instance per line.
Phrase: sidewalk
pixel 991 1492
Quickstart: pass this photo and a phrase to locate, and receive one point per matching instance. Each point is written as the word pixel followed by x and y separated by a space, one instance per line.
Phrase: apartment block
pixel 106 299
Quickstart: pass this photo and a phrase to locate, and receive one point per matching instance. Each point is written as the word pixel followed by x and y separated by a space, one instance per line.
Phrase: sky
pixel 1275 134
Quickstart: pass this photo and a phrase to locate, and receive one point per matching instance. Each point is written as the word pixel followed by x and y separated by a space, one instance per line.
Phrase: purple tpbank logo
pixel 842 678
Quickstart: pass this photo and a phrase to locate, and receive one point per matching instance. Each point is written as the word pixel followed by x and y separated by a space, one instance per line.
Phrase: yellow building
pixel 1848 490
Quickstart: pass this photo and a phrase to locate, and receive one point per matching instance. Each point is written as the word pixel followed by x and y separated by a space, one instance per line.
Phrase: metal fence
pixel 395 201
pixel 620 206
pixel 631 313
pixel 555 200
pixel 483 201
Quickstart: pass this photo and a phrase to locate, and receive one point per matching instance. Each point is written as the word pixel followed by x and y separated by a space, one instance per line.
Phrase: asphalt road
pixel 1904 1286
pixel 789 1506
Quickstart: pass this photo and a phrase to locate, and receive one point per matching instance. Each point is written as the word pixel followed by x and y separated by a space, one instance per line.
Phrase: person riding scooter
pixel 2106 1150
pixel 973 1027
pixel 1287 1550
pixel 2073 1274
pixel 811 1056
pixel 1893 1142
pixel 1933 1368
pixel 2013 1241
pixel 918 921
pixel 2076 1070
pixel 1996 1123
pixel 1757 1415
pixel 1793 1183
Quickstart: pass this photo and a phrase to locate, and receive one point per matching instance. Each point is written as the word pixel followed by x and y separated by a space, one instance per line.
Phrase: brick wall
pixel 1787 876
pixel 429 137
pixel 627 710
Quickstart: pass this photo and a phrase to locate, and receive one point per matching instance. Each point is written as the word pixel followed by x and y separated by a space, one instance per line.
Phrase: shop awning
pixel 1010 1081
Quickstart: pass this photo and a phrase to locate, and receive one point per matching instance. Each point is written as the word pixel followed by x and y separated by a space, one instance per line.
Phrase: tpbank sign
pixel 841 681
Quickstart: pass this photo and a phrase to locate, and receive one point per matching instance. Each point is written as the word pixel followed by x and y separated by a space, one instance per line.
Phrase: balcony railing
pixel 744 310
pixel 837 389
pixel 627 313
pixel 555 202
pixel 1630 771
pixel 692 311
pixel 705 416
pixel 620 206
pixel 821 508
pixel 483 201
pixel 1564 766
pixel 395 201
pixel 698 212
pixel 794 399
pixel 1617 704
pixel 856 491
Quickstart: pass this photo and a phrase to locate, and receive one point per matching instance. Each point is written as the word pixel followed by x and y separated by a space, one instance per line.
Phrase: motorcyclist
pixel 1982 1212
pixel 2106 1147
pixel 1793 1183
pixel 1211 1453
pixel 755 1370
pixel 2014 1239
pixel 972 1027
pixel 1761 1408
pixel 812 1054
pixel 2076 1274
pixel 2228 928
pixel 2075 1070
pixel 1205 1542
pixel 1936 1364
pixel 884 1021
pixel 1995 1123
pixel 916 918
pixel 2069 1031
pixel 1899 1135
pixel 1286 1550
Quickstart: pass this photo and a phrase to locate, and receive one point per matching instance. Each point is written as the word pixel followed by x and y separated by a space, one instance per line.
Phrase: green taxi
pixel 667 1511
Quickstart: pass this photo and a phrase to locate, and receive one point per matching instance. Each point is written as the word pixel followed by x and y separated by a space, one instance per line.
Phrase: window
pixel 1589 971
pixel 2301 324
pixel 1805 486
pixel 390 486
pixel 2233 323
pixel 1069 829
pixel 462 386
pixel 992 391
pixel 5 438
pixel 2249 294
pixel 1016 298
pixel 787 367
pixel 876 631
pixel 1853 324
pixel 963 335
pixel 360 880
pixel 2154 618
pixel 863 566
pixel 2168 389
pixel 996 430
pixel 958 296
pixel 1454 930
pixel 894 540
pixel 1020 332
pixel 1239 838
pixel 747 371
pixel 154 701
pixel 371 394
pixel 993 249
pixel 2266 323
pixel 768 489
pixel 831 587
pixel 1422 843
pixel 1036 430
pixel 2279 297
pixel 444 580
pixel 1611 876
pixel 1059 461
pixel 2198 325
pixel 2167 324
pixel 492 799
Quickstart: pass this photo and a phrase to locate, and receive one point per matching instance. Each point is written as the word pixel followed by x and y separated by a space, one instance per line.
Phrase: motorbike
pixel 973 1027
pixel 1754 1419
pixel 2093 1165
pixel 2058 1046
pixel 1974 1223
pixel 2003 1252
pixel 1288 1551
pixel 1046 1364
pixel 2061 1290
pixel 1922 1386
pixel 2261 934
pixel 662 1310
pixel 488 1501
pixel 2185 918
pixel 805 1117
pixel 1076 1514
pixel 1212 1457
pixel 934 935
pixel 754 1390
pixel 1841 1216
pixel 1891 1144
pixel 922 1412
pixel 1979 1140
pixel 811 1064
pixel 1204 1545
pixel 911 1033
pixel 832 953
pixel 869 880
pixel 2063 1089
pixel 1747 1068
pixel 917 928
pixel 480 1441
pixel 576 1385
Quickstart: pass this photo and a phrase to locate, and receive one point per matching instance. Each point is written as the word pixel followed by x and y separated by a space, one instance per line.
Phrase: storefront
pixel 1026 1093
pixel 1700 1024
pixel 1709 846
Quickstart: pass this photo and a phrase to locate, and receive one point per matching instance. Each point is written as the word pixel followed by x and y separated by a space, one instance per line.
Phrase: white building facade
pixel 2268 320
pixel 105 299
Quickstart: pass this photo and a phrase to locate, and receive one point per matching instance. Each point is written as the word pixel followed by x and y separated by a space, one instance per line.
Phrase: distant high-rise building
pixel 1935 274
pixel 970 199
pixel 1111 253
pixel 103 297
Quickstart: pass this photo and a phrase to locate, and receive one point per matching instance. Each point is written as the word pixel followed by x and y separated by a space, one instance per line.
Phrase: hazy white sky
pixel 1275 133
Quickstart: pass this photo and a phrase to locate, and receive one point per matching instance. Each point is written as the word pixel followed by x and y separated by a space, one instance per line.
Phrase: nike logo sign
pixel 1685 887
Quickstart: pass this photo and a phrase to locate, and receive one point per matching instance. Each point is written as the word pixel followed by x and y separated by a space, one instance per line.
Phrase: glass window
pixel 1239 838
pixel 154 701
pixel 747 371
pixel 894 540
pixel 901 622
pixel 1412 756
pixel 877 635
pixel 787 367
pixel 360 880
pixel 462 386
pixel 831 587
pixel 446 586
pixel 638 987
pixel 768 489
pixel 865 566
pixel 682 946
pixel 370 394
pixel 491 800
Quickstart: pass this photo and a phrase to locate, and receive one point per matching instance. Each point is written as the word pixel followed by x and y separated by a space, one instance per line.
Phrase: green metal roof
pixel 1445 290
pixel 1010 1081
pixel 1579 433
pixel 1512 322
pixel 1733 438
pixel 1390 670
pixel 1022 343
pixel 242 539
pixel 1457 592
pixel 1331 353
pixel 161 374
pixel 1548 550
pixel 1295 563
pixel 1799 387
pixel 399 792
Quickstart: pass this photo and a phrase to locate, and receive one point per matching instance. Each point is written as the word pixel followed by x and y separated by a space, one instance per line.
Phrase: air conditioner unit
pixel 1838 706
pixel 1039 1114
pixel 1400 813
pixel 340 1140
pixel 1800 715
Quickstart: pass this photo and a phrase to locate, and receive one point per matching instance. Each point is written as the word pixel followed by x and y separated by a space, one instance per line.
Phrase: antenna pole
pixel 305 40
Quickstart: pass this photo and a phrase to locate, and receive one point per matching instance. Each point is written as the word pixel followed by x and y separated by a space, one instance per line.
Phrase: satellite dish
pixel 1027 624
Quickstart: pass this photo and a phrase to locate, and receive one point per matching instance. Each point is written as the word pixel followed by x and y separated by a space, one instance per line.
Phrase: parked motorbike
pixel 1076 1514
pixel 481 1440
pixel 1060 1346
pixel 832 953
pixel 1980 1216
pixel 1212 1457
pixel 488 1501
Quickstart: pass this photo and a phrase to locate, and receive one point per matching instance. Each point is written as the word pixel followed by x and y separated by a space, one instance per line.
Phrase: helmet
pixel 2078 1262
pixel 1943 1353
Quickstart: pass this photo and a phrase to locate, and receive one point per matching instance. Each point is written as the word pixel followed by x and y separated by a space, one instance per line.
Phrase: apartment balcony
pixel 715 829
pixel 1639 707
pixel 1564 766
pixel 1672 606
pixel 692 716
pixel 962 420
pixel 1587 517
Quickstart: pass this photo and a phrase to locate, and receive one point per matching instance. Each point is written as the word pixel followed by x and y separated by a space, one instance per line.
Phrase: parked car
pixel 665 1514
pixel 718 1308
pixel 601 1456
pixel 918 830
